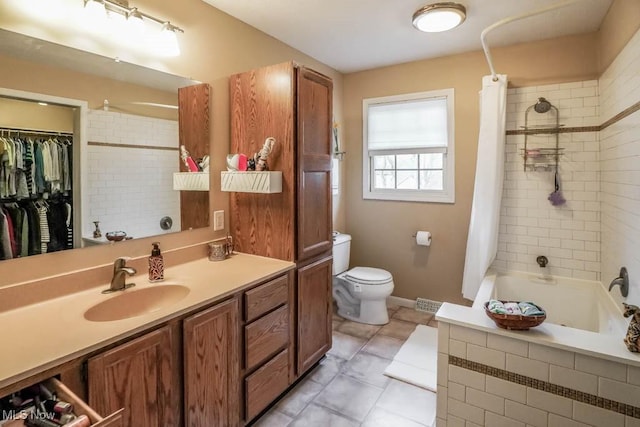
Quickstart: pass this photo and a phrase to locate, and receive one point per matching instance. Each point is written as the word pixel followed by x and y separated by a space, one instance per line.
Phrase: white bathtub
pixel 573 303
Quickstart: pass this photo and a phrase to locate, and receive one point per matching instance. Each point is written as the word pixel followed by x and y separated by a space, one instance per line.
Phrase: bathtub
pixel 572 303
pixel 576 359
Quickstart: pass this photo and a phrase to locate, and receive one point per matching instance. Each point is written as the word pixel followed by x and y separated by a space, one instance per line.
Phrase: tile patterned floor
pixel 348 388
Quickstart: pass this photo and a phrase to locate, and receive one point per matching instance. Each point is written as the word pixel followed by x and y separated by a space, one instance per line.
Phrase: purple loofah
pixel 556 198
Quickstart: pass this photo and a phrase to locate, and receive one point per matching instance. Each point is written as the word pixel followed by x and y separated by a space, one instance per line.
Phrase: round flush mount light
pixel 438 17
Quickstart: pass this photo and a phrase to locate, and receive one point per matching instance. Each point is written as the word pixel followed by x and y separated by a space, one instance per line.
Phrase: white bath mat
pixel 416 362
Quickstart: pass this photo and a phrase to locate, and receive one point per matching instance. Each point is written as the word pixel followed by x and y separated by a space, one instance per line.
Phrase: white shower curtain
pixel 482 242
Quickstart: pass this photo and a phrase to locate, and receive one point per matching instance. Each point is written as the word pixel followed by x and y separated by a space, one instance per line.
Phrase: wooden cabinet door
pixel 136 376
pixel 314 312
pixel 212 367
pixel 314 107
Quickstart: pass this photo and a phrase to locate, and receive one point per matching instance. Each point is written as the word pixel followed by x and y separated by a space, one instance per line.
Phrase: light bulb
pixel 135 22
pixel 95 9
pixel 168 41
pixel 96 15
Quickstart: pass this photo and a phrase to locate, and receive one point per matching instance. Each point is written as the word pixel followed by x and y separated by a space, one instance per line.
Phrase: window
pixel 408 150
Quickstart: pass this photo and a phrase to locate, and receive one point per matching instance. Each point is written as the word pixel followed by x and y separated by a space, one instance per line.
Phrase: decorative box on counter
pixel 252 181
pixel 191 181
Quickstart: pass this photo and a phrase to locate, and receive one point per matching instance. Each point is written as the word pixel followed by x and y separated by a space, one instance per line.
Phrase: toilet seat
pixel 368 276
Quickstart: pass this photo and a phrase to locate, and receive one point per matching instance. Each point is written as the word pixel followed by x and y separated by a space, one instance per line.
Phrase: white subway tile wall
pixel 620 170
pixel 568 235
pixel 131 189
pixel 469 394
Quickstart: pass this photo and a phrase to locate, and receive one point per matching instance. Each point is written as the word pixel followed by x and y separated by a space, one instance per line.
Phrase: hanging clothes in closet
pixel 36 214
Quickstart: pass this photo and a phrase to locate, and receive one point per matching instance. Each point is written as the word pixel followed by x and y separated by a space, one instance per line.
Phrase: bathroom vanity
pixel 215 354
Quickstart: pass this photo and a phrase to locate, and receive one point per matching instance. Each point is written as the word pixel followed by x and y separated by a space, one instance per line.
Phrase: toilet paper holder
pixel 422 238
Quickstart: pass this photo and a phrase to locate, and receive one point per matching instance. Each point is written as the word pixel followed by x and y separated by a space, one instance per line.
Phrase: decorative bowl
pixel 515 322
pixel 115 236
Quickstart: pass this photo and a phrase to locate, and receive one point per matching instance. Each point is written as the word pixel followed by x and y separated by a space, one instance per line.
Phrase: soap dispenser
pixel 156 264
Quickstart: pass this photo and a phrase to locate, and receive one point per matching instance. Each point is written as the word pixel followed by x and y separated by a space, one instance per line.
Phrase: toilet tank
pixel 341 250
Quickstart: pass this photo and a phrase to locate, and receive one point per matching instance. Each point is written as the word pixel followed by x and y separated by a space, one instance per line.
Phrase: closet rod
pixel 34 131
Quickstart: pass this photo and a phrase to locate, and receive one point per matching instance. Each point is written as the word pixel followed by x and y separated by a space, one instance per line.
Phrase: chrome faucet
pixel 622 281
pixel 120 272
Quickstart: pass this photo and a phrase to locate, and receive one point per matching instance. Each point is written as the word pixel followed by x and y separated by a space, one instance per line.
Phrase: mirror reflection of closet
pixel 120 168
pixel 39 201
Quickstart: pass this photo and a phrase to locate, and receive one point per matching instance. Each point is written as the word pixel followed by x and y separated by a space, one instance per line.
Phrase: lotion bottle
pixel 156 264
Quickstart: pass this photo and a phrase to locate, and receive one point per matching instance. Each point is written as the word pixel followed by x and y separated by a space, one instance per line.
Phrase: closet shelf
pixel 265 182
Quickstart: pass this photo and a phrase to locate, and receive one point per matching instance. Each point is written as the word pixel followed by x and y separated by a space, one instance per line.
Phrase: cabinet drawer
pixel 79 407
pixel 266 336
pixel 265 384
pixel 265 297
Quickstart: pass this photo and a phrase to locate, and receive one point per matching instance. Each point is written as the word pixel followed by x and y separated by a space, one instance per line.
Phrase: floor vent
pixel 423 304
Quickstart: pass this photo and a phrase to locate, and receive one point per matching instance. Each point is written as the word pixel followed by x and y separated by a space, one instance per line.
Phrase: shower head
pixel 542 106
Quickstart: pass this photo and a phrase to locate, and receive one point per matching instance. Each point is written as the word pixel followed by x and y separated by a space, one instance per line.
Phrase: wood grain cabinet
pixel 314 312
pixel 293 104
pixel 137 376
pixel 211 367
pixel 268 331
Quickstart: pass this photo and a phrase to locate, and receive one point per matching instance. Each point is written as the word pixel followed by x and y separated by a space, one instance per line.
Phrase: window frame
pixel 447 194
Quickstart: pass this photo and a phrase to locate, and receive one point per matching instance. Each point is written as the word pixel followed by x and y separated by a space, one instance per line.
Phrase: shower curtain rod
pixel 504 21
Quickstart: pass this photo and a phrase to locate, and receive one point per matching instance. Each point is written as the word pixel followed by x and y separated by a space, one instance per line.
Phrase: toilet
pixel 361 293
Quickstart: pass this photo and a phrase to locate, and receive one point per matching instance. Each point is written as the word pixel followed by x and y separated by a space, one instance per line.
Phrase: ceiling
pixel 355 35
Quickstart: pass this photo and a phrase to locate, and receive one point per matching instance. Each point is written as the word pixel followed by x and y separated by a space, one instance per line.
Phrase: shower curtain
pixel 482 242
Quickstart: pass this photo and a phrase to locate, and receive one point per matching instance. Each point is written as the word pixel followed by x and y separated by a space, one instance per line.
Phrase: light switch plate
pixel 218 220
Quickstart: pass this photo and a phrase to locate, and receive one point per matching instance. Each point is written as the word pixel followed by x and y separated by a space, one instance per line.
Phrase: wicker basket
pixel 516 322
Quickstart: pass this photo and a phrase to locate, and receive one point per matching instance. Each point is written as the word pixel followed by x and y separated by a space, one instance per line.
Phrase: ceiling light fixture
pixel 136 19
pixel 438 17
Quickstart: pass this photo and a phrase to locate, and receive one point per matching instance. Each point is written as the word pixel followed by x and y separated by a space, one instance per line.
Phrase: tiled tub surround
pixel 124 149
pixel 569 235
pixel 550 376
pixel 619 90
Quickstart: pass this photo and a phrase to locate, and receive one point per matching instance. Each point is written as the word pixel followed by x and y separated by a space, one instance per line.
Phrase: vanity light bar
pixel 122 7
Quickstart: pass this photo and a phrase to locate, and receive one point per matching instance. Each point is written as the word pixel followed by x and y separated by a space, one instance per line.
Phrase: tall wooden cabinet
pixel 293 104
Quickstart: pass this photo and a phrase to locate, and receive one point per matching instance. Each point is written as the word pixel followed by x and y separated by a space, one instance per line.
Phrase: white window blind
pixel 408 147
pixel 409 124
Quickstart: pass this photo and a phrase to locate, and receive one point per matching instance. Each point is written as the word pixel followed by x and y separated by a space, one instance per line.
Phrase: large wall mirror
pixel 107 135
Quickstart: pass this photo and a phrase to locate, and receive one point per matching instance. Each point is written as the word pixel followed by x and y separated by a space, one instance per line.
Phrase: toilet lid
pixel 368 276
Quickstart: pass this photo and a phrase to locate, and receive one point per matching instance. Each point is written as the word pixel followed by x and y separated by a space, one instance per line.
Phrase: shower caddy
pixel 541 157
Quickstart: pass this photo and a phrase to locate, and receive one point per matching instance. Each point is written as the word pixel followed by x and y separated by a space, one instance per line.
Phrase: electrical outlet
pixel 218 220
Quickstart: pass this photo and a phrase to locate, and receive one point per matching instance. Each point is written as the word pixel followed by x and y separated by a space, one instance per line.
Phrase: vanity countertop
pixel 40 336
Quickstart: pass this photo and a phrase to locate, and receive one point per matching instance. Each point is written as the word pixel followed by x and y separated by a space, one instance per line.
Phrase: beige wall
pixel 382 230
pixel 214 46
pixel 19 114
pixel 619 25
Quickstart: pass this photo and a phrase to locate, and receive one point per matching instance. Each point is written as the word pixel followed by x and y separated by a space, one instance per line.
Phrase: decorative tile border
pixel 574 129
pixel 626 112
pixel 558 390
pixel 144 147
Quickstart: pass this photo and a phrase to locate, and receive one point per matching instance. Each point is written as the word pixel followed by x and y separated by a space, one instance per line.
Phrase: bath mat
pixel 416 361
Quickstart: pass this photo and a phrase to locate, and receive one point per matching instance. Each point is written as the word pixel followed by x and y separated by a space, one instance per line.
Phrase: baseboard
pixel 402 302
